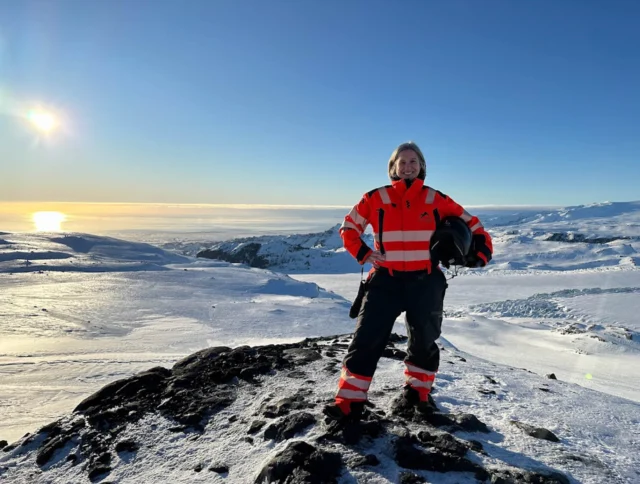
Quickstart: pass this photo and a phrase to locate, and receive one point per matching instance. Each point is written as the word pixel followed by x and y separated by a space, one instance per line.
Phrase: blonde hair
pixel 409 145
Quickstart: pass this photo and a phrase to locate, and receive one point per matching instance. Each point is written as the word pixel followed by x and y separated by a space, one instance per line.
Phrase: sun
pixel 43 121
pixel 48 221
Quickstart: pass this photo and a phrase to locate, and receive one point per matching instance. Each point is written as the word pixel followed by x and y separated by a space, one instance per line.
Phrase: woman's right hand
pixel 375 258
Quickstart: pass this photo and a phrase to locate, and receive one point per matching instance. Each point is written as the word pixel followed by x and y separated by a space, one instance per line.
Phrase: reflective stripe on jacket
pixel 408 217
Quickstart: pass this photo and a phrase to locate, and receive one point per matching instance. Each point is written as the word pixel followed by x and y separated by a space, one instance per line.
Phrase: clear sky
pixel 302 102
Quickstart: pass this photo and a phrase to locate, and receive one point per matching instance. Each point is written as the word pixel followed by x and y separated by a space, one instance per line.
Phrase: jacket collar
pixel 401 189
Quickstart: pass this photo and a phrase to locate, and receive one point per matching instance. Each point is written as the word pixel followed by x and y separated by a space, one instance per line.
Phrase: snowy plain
pixel 78 311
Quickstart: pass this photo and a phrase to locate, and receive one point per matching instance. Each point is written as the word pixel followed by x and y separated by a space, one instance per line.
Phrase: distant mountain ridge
pixel 287 252
pixel 601 235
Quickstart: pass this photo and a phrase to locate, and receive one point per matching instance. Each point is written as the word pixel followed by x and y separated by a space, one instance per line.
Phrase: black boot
pixel 335 413
pixel 413 397
pixel 409 402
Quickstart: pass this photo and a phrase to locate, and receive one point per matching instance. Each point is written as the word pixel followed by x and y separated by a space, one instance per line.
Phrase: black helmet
pixel 451 242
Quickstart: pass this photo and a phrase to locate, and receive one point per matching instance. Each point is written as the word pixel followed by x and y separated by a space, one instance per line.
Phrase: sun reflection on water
pixel 48 221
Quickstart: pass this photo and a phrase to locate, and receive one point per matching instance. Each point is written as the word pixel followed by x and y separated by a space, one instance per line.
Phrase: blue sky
pixel 302 102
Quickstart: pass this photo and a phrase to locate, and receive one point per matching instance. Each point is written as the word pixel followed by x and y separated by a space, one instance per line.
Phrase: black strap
pixel 380 225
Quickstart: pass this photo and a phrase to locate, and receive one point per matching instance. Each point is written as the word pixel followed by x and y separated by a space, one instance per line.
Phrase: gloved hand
pixel 375 257
pixel 479 255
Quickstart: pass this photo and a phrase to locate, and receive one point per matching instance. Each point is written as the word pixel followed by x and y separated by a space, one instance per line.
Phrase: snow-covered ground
pixel 574 324
pixel 66 334
pixel 78 311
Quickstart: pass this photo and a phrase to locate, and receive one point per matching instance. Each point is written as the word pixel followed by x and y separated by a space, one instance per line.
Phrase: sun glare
pixel 48 221
pixel 43 121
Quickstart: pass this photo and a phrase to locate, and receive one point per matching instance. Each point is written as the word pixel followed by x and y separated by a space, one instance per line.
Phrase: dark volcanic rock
pixel 289 426
pixel 486 392
pixel 202 384
pixel 551 376
pixel 410 478
pixel 301 355
pixel 55 439
pixel 364 460
pixel 284 406
pixel 507 476
pixel 573 237
pixel 429 413
pixel 190 393
pixel 255 427
pixel 470 423
pixel 443 442
pixel 474 445
pixel 3 444
pixel 195 360
pixel 246 253
pixel 47 450
pixel 123 389
pixel 537 432
pixel 300 462
pixel 127 446
pixel 99 465
pixel 97 471
pixel 409 456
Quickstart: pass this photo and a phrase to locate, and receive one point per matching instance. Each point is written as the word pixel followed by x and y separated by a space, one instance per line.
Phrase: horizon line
pixel 276 206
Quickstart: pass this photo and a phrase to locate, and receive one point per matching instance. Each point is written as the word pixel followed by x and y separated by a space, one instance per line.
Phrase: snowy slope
pixel 89 310
pixel 65 334
pixel 25 252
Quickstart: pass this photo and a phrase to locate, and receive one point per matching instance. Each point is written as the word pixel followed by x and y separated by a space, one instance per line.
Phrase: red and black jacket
pixel 406 218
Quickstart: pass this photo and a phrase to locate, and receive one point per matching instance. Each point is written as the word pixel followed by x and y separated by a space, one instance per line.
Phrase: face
pixel 407 165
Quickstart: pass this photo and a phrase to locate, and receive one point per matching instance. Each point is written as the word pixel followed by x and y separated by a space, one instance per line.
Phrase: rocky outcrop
pixel 313 449
pixel 291 252
pixel 244 253
pixel 537 432
pixel 302 462
pixel 572 237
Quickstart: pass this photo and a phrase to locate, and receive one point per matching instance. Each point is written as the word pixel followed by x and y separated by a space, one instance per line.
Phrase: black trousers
pixel 421 295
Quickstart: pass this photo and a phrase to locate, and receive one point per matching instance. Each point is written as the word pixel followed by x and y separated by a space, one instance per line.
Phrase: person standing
pixel 404 217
